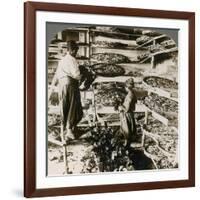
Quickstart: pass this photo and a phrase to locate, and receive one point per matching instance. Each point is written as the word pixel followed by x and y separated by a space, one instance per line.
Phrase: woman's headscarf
pixel 71 44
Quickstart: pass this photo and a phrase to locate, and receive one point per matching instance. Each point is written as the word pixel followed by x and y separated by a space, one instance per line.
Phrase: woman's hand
pixel 149 92
pixel 120 108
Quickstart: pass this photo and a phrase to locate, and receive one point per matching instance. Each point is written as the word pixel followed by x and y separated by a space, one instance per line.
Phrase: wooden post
pixel 64 149
pixel 143 137
pixel 64 142
pixel 153 58
pixel 152 62
pixel 59 35
pixel 145 122
pixel 146 117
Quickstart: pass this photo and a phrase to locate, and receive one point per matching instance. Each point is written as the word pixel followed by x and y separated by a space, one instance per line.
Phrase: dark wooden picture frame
pixel 30 9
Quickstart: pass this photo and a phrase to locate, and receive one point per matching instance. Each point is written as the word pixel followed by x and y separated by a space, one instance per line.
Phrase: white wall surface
pixel 11 99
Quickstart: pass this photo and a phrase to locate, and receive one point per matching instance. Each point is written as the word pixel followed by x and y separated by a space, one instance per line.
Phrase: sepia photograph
pixel 112 99
pixel 109 99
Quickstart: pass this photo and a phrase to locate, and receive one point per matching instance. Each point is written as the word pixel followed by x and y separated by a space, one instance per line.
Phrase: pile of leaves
pixel 161 105
pixel 109 94
pixel 107 44
pixel 108 70
pixel 111 58
pixel 111 149
pixel 54 99
pixel 87 77
pixel 141 40
pixel 159 82
pixel 161 159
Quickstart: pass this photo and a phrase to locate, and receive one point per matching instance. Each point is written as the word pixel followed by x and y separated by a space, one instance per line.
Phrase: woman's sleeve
pixel 56 75
pixel 70 67
pixel 127 102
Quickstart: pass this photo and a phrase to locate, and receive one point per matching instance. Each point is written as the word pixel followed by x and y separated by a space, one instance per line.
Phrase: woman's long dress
pixel 68 75
pixel 71 108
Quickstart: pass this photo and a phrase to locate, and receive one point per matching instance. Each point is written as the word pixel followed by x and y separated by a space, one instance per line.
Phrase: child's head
pixel 129 84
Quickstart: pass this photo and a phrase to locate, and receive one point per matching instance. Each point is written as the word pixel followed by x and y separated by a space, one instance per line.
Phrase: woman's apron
pixel 70 102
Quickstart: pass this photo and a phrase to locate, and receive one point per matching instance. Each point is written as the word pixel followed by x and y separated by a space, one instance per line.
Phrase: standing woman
pixel 127 120
pixel 68 76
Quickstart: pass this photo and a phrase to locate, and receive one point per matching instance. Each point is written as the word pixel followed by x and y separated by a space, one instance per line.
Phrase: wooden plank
pixel 162 92
pixel 165 51
pixel 101 79
pixel 158 53
pixel 54 141
pixel 151 40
